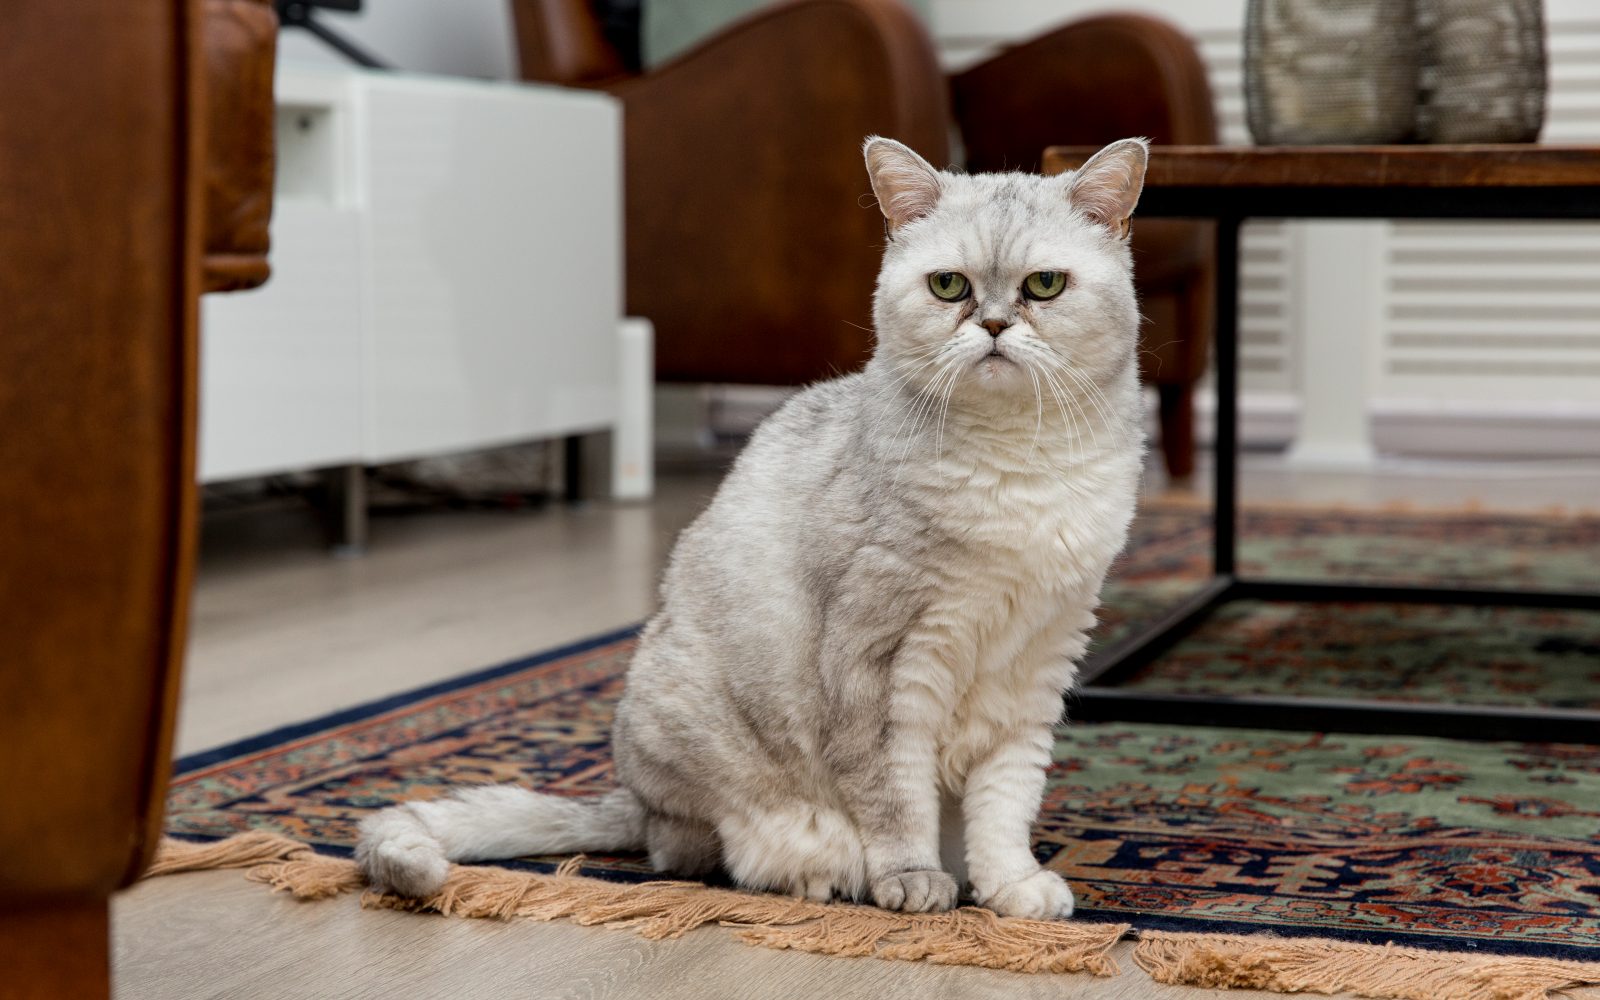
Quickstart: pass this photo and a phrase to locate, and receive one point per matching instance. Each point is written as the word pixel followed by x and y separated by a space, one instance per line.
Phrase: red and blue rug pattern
pixel 1485 847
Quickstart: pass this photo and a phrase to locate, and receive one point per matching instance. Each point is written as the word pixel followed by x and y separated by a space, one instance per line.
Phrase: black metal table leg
pixel 1226 437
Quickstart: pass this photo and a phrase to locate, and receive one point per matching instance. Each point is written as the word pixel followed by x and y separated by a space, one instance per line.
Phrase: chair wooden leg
pixel 50 950
pixel 1177 429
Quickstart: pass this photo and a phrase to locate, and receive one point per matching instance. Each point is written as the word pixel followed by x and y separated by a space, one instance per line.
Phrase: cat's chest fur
pixel 1016 589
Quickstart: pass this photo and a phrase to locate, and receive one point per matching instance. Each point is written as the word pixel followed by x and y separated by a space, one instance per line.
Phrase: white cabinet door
pixel 494 263
pixel 280 366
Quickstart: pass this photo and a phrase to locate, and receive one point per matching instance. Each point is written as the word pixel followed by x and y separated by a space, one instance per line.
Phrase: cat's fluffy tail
pixel 408 848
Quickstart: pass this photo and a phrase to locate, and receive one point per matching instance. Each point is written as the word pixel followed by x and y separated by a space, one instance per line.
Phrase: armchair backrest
pixel 1086 83
pixel 561 41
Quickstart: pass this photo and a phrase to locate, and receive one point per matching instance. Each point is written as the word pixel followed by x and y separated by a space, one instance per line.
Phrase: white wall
pixel 455 37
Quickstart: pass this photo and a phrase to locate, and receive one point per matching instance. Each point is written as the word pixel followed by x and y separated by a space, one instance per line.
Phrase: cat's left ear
pixel 1107 187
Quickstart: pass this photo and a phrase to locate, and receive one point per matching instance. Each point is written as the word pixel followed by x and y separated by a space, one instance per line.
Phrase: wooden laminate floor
pixel 283 632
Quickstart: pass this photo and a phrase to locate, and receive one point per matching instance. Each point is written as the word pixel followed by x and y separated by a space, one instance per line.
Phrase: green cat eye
pixel 949 286
pixel 1044 284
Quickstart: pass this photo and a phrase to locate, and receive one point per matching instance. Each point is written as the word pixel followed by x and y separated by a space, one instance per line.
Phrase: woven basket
pixel 1350 72
pixel 1483 70
pixel 1330 72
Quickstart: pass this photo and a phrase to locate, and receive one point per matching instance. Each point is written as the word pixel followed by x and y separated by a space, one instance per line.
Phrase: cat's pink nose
pixel 995 326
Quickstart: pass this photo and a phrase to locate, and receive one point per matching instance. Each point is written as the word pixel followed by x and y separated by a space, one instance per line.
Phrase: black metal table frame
pixel 1100 697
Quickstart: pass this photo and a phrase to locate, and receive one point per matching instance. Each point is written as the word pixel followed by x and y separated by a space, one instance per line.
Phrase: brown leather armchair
pixel 126 192
pixel 729 150
pixel 740 151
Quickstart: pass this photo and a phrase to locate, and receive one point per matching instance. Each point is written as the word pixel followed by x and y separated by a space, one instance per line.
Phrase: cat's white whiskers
pixel 1038 420
pixel 928 389
pixel 1096 397
pixel 908 371
pixel 1037 356
pixel 924 412
pixel 898 382
pixel 1090 389
pixel 1087 390
pixel 1093 396
pixel 924 397
pixel 1080 422
pixel 912 408
pixel 949 391
pixel 1075 432
pixel 942 384
pixel 900 364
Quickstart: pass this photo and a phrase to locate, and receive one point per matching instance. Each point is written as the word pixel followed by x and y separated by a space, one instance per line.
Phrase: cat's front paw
pixel 397 854
pixel 1044 895
pixel 921 890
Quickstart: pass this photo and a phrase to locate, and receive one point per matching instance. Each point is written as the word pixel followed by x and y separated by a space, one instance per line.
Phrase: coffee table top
pixel 1509 181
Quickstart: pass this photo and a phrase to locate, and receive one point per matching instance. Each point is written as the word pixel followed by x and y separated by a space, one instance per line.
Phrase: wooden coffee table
pixel 1230 185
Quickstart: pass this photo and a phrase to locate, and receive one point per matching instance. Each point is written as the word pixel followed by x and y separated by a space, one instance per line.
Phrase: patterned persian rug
pixel 1487 848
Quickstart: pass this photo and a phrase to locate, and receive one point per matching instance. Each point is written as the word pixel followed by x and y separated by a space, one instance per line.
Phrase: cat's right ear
pixel 906 186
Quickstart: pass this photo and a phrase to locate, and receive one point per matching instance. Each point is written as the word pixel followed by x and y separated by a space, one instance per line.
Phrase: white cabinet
pixel 446 276
pixel 281 366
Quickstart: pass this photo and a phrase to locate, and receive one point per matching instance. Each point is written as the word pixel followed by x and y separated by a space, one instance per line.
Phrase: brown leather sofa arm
pixel 743 173
pixel 239 41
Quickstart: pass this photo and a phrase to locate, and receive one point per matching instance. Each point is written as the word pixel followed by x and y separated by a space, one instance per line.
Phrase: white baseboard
pixel 1522 430
pixel 681 420
pixel 1426 428
pixel 695 419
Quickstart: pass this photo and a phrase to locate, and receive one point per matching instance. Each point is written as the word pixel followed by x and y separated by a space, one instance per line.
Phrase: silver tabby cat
pixel 864 640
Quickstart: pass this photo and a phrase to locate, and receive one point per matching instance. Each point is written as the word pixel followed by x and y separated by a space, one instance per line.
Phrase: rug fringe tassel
pixel 1382 972
pixel 659 910
pixel 242 850
pixel 968 936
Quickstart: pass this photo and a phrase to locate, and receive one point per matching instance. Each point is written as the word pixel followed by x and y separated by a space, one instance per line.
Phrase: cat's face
pixel 1005 288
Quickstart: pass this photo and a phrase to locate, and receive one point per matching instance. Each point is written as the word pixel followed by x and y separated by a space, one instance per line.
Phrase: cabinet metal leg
pixel 572 468
pixel 347 508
